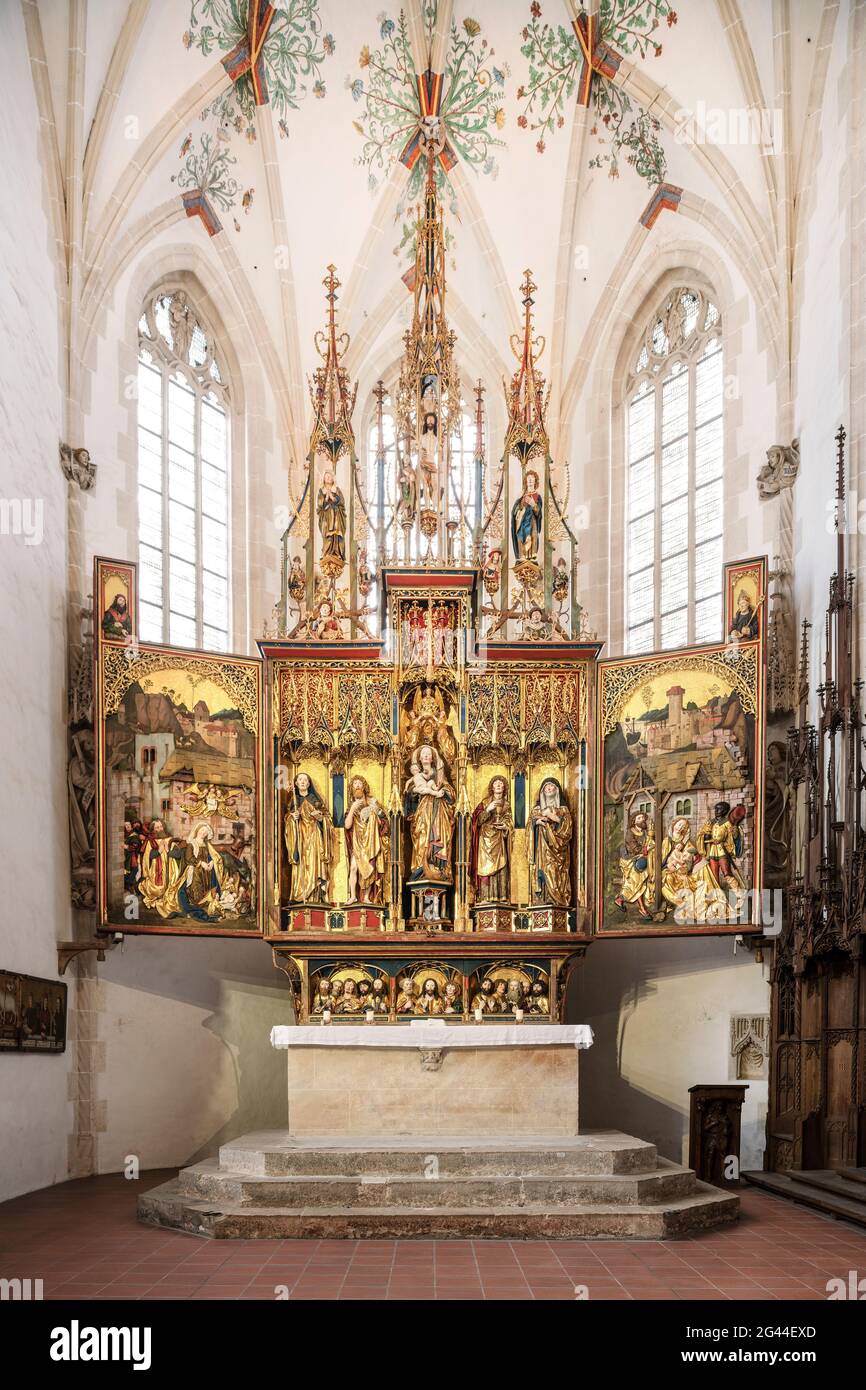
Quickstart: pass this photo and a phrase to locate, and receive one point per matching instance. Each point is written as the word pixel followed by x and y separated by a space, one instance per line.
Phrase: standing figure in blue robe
pixel 526 519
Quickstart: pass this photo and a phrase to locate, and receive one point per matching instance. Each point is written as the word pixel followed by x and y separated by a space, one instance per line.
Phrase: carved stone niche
pixel 750 1034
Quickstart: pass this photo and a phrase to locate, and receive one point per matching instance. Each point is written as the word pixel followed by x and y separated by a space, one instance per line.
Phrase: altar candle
pixel 369 1015
pixel 326 1015
pixel 478 1015
pixel 518 1015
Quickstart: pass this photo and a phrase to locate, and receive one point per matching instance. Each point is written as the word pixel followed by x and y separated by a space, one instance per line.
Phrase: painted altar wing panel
pixel 115 599
pixel 745 599
pixel 679 791
pixel 180 791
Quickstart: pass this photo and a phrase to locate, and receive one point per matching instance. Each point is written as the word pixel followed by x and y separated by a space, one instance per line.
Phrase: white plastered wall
pixel 661 1012
pixel 34 855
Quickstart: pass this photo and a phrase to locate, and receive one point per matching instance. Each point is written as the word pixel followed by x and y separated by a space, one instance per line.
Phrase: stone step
pixel 274 1154
pixel 853 1175
pixel 706 1207
pixel 829 1180
pixel 552 1190
pixel 807 1194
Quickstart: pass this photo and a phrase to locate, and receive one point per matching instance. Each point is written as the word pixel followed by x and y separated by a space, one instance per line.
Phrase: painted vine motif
pixel 626 132
pixel 207 167
pixel 471 110
pixel 293 49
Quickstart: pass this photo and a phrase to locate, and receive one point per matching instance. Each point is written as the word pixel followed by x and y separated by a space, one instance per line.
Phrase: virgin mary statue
pixel 428 803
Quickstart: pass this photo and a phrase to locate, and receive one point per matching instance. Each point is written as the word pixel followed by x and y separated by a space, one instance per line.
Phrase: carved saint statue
pixel 483 997
pixel 430 1000
pixel 406 997
pixel 407 493
pixel 492 572
pixel 490 845
pixel 351 1001
pixel 719 843
pixel 160 871
pixel 427 457
pixel 331 512
pixel 379 996
pixel 429 808
pixel 538 1002
pixel 452 1001
pixel 324 626
pixel 677 861
pixel 297 581
pixel 309 835
pixel 637 866
pixel 366 827
pixel 550 846
pixel 323 998
pixel 526 519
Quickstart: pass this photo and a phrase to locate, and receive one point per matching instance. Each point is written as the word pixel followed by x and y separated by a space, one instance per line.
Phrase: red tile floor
pixel 82 1239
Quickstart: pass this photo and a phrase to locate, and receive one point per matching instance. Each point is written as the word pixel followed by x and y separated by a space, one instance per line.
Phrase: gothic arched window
pixel 462 500
pixel 381 495
pixel 674 492
pixel 183 478
pixel 380 490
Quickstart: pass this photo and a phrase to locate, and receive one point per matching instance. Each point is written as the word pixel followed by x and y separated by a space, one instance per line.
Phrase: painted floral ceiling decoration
pixel 397 103
pixel 272 52
pixel 272 55
pixel 583 59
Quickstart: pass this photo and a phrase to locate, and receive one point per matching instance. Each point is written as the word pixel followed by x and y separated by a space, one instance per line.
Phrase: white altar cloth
pixel 428 1034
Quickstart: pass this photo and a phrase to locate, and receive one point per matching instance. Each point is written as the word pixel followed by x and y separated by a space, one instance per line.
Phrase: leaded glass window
pixel 183 478
pixel 675 477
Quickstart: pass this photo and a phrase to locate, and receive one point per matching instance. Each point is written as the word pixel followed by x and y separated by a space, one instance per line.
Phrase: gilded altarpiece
pixel 429 830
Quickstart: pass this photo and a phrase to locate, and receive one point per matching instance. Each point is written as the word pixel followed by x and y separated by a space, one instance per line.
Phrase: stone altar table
pixel 433 1078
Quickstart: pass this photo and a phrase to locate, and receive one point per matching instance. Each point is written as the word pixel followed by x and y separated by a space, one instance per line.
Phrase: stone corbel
pixel 77 466
pixel 780 471
pixel 431 1058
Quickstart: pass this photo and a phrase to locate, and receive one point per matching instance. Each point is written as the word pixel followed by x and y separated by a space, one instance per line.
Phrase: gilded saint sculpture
pixel 550 846
pixel 490 851
pixel 366 830
pixel 309 836
pixel 430 1000
pixel 429 805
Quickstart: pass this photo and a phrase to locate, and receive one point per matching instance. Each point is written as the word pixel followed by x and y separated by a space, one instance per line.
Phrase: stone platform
pixel 596 1185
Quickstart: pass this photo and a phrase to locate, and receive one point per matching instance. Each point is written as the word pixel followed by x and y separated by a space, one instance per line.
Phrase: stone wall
pixel 34 853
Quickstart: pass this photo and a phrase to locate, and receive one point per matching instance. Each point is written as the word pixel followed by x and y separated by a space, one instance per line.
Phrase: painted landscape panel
pixel 179 788
pixel 679 774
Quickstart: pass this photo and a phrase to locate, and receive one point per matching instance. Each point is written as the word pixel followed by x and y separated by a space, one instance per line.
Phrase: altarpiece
pixel 426 793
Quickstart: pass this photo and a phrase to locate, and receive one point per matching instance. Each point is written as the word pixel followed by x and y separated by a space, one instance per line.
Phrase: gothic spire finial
pixel 332 396
pixel 527 397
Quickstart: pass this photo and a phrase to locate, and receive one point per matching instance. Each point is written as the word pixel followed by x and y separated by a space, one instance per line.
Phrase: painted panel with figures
pixel 679 836
pixel 180 787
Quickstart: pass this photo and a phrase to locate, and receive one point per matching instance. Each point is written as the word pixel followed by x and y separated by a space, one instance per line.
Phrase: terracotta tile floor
pixel 82 1240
